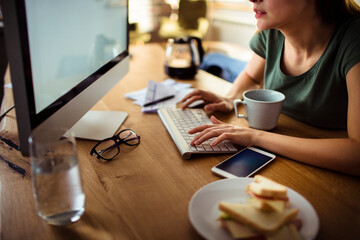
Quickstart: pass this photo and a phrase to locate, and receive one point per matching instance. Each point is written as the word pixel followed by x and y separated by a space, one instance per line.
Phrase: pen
pixel 159 100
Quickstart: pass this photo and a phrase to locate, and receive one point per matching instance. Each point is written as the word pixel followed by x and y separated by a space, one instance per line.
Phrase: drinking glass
pixel 58 191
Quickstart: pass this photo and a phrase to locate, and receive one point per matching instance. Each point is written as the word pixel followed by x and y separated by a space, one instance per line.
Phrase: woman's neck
pixel 309 37
pixel 304 45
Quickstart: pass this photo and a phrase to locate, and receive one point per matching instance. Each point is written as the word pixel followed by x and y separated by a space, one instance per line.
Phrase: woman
pixel 309 50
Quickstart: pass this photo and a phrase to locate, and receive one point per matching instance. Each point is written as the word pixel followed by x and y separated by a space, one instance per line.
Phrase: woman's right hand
pixel 212 101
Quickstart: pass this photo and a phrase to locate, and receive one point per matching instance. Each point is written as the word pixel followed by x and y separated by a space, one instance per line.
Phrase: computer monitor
pixel 64 57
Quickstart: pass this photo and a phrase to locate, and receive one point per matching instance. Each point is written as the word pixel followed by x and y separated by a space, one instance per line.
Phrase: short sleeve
pixel 258 43
pixel 350 46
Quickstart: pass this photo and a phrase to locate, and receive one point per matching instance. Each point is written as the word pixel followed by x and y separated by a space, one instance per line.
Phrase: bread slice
pixel 285 233
pixel 238 230
pixel 264 187
pixel 268 205
pixel 262 221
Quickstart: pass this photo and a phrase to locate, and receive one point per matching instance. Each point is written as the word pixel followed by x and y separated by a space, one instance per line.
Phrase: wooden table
pixel 145 193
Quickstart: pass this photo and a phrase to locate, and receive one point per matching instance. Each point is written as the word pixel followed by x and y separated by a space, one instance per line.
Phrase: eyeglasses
pixel 108 148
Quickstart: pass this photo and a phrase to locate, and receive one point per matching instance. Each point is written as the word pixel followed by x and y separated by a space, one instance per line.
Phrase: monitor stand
pixel 98 125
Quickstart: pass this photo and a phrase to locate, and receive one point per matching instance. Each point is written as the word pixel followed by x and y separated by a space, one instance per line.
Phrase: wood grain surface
pixel 144 193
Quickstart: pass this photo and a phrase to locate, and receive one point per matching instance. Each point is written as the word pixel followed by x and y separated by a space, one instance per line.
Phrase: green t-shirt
pixel 318 96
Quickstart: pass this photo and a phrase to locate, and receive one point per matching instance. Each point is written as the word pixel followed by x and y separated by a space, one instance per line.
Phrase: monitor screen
pixel 68 43
pixel 64 56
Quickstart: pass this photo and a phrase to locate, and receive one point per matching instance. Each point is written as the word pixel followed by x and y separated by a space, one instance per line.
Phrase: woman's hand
pixel 222 131
pixel 212 101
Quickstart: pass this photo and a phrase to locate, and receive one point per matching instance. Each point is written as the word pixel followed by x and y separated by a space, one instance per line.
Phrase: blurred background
pixel 212 20
pixel 231 22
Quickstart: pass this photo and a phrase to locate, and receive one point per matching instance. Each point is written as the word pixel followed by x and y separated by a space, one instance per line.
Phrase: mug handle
pixel 236 102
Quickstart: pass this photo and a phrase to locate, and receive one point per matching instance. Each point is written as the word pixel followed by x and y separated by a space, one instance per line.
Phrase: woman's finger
pixel 210 132
pixel 191 94
pixel 214 120
pixel 221 106
pixel 199 128
pixel 191 100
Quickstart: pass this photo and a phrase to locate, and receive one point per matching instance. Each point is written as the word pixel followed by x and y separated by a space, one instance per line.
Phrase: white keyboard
pixel 178 122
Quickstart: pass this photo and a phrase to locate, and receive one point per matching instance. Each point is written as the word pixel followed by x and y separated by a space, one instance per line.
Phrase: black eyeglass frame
pixel 118 140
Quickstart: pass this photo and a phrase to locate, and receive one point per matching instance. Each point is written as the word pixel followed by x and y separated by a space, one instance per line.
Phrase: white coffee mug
pixel 262 107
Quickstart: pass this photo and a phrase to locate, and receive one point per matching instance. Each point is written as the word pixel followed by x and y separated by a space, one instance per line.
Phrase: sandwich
pixel 267 215
pixel 244 221
pixel 267 195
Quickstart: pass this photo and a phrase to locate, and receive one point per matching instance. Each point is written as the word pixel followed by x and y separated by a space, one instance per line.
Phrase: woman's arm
pixel 250 78
pixel 341 155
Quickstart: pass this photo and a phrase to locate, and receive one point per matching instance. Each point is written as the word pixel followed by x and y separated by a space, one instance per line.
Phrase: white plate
pixel 204 212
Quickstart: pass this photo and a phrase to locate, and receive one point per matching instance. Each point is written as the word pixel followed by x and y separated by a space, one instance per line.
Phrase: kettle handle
pixel 199 45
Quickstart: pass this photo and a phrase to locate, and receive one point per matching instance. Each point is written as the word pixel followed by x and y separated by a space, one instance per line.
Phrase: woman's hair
pixel 333 11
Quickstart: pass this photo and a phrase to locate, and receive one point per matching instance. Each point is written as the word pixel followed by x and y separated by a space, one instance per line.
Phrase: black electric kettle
pixel 183 57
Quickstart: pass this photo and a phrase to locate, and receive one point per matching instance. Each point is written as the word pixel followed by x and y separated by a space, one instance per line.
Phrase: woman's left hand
pixel 222 131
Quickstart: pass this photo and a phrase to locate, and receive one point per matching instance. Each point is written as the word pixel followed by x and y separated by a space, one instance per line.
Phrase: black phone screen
pixel 244 163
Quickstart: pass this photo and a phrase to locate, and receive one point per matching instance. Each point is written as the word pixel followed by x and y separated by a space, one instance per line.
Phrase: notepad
pixel 157 92
pixel 181 89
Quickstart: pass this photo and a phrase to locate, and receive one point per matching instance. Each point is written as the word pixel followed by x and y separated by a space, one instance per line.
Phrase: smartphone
pixel 244 163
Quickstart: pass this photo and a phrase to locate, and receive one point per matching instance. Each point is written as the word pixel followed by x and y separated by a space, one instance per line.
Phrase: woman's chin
pixel 262 26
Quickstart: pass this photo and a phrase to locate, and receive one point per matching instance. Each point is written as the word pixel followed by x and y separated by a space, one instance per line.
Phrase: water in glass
pixel 58 191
